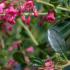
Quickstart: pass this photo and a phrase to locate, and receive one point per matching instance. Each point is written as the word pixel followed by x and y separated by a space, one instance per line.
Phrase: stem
pixel 27 60
pixel 46 3
pixel 26 14
pixel 30 34
pixel 28 31
pixel 51 5
pixel 65 56
pixel 64 9
pixel 1 41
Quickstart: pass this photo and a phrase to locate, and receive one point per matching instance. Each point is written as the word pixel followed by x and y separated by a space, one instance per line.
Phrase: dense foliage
pixel 34 34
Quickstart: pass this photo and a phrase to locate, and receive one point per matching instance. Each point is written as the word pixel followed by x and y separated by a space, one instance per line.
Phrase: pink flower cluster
pixel 49 65
pixel 15 45
pixel 50 17
pixel 29 7
pixel 9 13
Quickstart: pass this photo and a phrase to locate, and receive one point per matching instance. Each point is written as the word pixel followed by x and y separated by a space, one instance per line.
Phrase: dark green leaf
pixel 19 57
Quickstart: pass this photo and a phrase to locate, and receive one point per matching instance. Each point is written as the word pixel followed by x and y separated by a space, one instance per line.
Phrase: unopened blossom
pixel 23 19
pixel 35 11
pixel 30 49
pixel 41 23
pixel 50 17
pixel 28 20
pixel 10 49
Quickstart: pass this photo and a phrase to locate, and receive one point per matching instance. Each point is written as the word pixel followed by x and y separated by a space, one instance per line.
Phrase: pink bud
pixel 28 20
pixel 10 49
pixel 36 13
pixel 10 28
pixel 7 27
pixel 41 23
pixel 30 49
pixel 23 19
pixel 15 45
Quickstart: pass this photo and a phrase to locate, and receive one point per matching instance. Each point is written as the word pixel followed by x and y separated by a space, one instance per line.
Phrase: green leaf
pixel 63 27
pixel 36 61
pixel 19 57
pixel 56 41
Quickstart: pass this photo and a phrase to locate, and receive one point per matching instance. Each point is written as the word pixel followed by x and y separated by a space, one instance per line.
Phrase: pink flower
pixel 49 65
pixel 11 62
pixel 10 49
pixel 16 45
pixel 51 17
pixel 7 27
pixel 11 14
pixel 11 20
pixel 2 6
pixel 30 49
pixel 28 5
pixel 11 11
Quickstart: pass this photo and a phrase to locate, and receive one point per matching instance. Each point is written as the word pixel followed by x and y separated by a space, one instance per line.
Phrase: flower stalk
pixel 28 31
pixel 51 5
